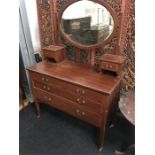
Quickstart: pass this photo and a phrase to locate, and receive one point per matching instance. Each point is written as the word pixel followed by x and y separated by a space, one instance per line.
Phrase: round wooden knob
pixel 83 101
pixel 77 99
pixel 83 113
pixel 49 99
pixel 77 90
pixel 77 110
pixel 83 91
pixel 42 78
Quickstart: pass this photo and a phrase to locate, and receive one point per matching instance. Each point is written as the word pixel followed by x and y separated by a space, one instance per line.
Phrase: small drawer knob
pixel 43 78
pixel 83 91
pixel 77 90
pixel 106 66
pixel 110 66
pixel 44 87
pixel 48 88
pixel 77 110
pixel 83 113
pixel 77 99
pixel 49 99
pixel 47 80
pixel 83 101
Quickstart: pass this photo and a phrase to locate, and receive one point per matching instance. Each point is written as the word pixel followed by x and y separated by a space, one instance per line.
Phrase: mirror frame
pixel 82 46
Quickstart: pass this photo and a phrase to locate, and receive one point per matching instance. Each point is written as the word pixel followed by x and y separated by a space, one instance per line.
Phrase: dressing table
pixel 75 85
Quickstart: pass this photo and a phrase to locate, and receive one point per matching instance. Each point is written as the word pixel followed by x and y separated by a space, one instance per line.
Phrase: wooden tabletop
pixel 127 106
pixel 79 74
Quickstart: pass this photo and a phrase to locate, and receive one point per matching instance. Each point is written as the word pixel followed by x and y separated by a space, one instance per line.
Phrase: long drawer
pixel 67 88
pixel 67 106
pixel 80 100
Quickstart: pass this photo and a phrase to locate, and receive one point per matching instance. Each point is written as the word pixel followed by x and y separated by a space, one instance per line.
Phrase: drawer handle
pixel 47 80
pixel 43 78
pixel 110 66
pixel 44 87
pixel 83 92
pixel 77 110
pixel 83 101
pixel 83 113
pixel 78 100
pixel 49 99
pixel 48 88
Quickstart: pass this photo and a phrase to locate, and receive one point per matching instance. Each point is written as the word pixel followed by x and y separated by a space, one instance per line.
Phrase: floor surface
pixel 56 133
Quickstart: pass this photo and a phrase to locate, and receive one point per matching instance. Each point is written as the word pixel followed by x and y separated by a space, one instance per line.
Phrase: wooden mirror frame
pixel 81 46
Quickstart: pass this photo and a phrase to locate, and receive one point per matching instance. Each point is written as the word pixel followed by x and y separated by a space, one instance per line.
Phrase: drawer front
pixel 48 54
pixel 85 103
pixel 109 66
pixel 68 107
pixel 66 89
pixel 57 55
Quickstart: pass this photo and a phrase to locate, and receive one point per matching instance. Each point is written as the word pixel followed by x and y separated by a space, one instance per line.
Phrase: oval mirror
pixel 87 23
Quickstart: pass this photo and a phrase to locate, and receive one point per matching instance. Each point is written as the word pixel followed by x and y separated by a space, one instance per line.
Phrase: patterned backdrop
pixel 128 81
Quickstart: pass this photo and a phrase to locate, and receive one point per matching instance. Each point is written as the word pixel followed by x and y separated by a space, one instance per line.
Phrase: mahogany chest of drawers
pixel 54 52
pixel 75 89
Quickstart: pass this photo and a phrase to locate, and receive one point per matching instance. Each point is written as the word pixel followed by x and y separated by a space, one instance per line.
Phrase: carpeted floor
pixel 56 133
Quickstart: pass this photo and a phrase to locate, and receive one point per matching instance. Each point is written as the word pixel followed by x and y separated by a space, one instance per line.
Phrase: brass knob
pixel 83 113
pixel 83 101
pixel 43 78
pixel 77 110
pixel 83 91
pixel 77 99
pixel 49 99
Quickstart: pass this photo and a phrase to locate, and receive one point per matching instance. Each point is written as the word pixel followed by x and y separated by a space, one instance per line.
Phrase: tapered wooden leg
pixel 101 138
pixel 38 109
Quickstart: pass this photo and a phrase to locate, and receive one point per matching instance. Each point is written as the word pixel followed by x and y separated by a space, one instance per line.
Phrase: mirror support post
pixel 92 57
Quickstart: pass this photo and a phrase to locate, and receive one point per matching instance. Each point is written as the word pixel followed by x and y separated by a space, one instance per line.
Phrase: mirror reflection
pixel 87 22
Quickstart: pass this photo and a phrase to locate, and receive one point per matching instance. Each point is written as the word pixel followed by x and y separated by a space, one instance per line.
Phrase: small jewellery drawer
pixel 55 52
pixel 48 54
pixel 84 102
pixel 67 89
pixel 68 107
pixel 109 66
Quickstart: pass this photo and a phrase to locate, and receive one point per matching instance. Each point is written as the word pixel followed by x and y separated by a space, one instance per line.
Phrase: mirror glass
pixel 87 22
